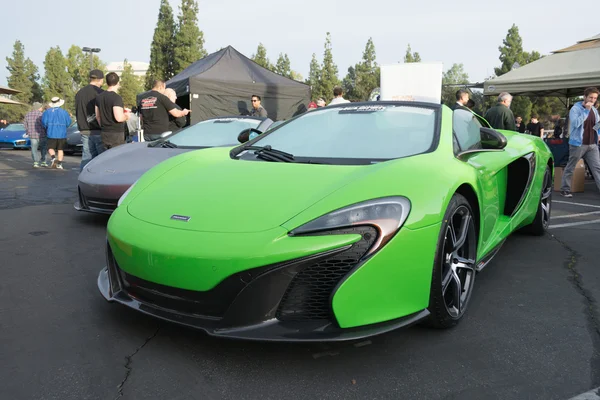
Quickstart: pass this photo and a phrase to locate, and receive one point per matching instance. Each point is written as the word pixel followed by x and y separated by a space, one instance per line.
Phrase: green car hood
pixel 224 195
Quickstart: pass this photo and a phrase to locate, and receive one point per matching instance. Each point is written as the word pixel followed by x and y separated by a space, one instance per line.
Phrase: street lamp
pixel 91 51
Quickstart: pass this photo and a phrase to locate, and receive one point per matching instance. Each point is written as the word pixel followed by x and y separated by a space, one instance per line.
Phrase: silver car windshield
pixel 213 132
pixel 357 132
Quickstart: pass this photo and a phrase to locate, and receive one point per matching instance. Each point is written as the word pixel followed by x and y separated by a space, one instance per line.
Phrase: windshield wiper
pixel 270 154
pixel 168 143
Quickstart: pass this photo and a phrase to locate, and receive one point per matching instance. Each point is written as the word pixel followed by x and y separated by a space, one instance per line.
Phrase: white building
pixel 139 68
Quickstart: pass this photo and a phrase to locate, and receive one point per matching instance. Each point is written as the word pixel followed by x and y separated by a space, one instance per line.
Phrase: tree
pixel 411 57
pixel 23 77
pixel 189 39
pixel 283 66
pixel 366 74
pixel 297 76
pixel 513 56
pixel 131 85
pixel 349 84
pixel 314 77
pixel 261 57
pixel 162 49
pixel 57 81
pixel 329 70
pixel 454 76
pixel 78 66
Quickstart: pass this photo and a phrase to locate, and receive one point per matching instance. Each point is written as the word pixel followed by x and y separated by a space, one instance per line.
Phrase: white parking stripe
pixel 591 395
pixel 575 215
pixel 575 204
pixel 595 221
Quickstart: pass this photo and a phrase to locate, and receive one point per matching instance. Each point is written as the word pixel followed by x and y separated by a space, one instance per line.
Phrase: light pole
pixel 91 50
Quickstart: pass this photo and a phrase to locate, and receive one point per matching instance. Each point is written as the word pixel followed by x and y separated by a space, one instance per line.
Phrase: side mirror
pixel 244 135
pixel 165 134
pixel 492 139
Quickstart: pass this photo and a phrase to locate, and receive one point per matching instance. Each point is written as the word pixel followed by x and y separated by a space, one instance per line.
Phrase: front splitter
pixel 272 330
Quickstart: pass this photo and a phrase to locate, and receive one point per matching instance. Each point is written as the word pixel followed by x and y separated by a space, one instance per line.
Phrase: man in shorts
pixel 56 121
pixel 110 113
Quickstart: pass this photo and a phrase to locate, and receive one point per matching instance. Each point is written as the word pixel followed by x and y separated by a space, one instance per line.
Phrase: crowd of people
pixel 580 128
pixel 104 122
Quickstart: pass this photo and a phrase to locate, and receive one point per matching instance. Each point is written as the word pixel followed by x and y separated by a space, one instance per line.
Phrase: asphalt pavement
pixel 532 331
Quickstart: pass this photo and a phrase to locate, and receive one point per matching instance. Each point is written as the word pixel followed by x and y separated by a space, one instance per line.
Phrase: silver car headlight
pixel 386 214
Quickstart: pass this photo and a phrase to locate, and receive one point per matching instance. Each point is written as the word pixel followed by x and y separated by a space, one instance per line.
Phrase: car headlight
pixel 125 194
pixel 386 214
pixel 25 136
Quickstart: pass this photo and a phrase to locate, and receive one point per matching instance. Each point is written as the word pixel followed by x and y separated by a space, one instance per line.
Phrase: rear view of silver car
pixel 104 180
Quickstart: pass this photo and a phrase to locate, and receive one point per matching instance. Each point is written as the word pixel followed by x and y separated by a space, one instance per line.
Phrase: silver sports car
pixel 108 176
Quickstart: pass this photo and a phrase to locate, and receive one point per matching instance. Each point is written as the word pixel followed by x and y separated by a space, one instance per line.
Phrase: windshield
pixel 213 132
pixel 367 132
pixel 15 127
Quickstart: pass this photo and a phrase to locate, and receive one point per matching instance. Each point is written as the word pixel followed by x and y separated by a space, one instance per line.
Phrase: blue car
pixel 14 137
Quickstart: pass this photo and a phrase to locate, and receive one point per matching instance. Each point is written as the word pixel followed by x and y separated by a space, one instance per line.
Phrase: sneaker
pixel 53 164
pixel 43 164
pixel 59 166
pixel 566 194
pixel 36 165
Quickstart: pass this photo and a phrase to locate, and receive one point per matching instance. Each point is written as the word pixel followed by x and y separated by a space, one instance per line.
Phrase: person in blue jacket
pixel 56 121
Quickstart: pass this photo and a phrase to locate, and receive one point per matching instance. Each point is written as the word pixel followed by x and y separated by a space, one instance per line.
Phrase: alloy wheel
pixel 546 200
pixel 458 269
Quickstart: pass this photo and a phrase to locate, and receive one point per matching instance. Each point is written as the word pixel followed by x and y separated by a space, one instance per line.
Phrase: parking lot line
pixel 595 221
pixel 576 215
pixel 575 204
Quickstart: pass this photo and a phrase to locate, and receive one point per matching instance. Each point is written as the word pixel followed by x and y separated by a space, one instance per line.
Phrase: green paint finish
pixel 394 282
pixel 242 211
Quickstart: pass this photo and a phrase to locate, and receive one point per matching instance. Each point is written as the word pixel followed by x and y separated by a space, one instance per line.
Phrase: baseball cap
pixel 96 74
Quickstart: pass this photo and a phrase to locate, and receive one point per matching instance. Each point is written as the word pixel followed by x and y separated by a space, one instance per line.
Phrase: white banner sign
pixel 412 82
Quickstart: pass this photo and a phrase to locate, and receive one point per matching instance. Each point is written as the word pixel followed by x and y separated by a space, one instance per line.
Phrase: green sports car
pixel 344 222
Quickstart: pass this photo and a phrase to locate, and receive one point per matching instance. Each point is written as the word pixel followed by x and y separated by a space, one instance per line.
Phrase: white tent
pixel 566 73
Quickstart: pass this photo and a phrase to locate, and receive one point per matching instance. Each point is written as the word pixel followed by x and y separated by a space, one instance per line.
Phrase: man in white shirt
pixel 338 96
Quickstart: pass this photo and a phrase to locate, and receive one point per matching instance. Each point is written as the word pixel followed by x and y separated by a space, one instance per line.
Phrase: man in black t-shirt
pixel 85 112
pixel 535 127
pixel 110 113
pixel 155 109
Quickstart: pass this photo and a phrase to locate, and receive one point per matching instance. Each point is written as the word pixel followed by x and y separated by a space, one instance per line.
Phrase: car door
pixel 490 167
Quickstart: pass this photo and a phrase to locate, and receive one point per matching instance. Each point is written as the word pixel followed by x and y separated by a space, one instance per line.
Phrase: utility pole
pixel 91 50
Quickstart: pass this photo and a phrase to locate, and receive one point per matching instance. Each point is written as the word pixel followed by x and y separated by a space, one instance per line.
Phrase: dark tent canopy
pixel 222 83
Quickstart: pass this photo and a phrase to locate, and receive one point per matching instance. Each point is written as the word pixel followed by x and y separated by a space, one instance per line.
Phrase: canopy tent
pixel 566 73
pixel 223 82
pixel 7 90
pixel 6 100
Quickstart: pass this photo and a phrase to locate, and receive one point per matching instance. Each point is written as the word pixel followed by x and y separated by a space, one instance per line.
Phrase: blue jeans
pixel 92 147
pixel 591 156
pixel 42 145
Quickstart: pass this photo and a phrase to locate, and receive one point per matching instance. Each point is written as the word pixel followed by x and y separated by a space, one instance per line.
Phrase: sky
pixel 459 31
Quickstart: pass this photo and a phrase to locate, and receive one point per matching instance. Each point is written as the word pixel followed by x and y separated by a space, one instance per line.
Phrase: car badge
pixel 181 218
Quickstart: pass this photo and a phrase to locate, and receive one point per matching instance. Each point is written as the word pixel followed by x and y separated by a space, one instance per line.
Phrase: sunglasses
pixel 254 101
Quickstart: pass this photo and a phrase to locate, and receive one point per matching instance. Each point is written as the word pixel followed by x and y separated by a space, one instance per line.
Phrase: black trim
pixel 251 314
pixel 481 264
pixel 517 186
pixel 87 204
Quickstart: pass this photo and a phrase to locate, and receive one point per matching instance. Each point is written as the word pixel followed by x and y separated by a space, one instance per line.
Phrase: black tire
pixel 454 266
pixel 540 224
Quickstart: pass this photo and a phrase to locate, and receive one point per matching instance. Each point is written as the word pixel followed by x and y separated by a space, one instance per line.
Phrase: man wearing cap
pixel 37 134
pixel 56 121
pixel 85 113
